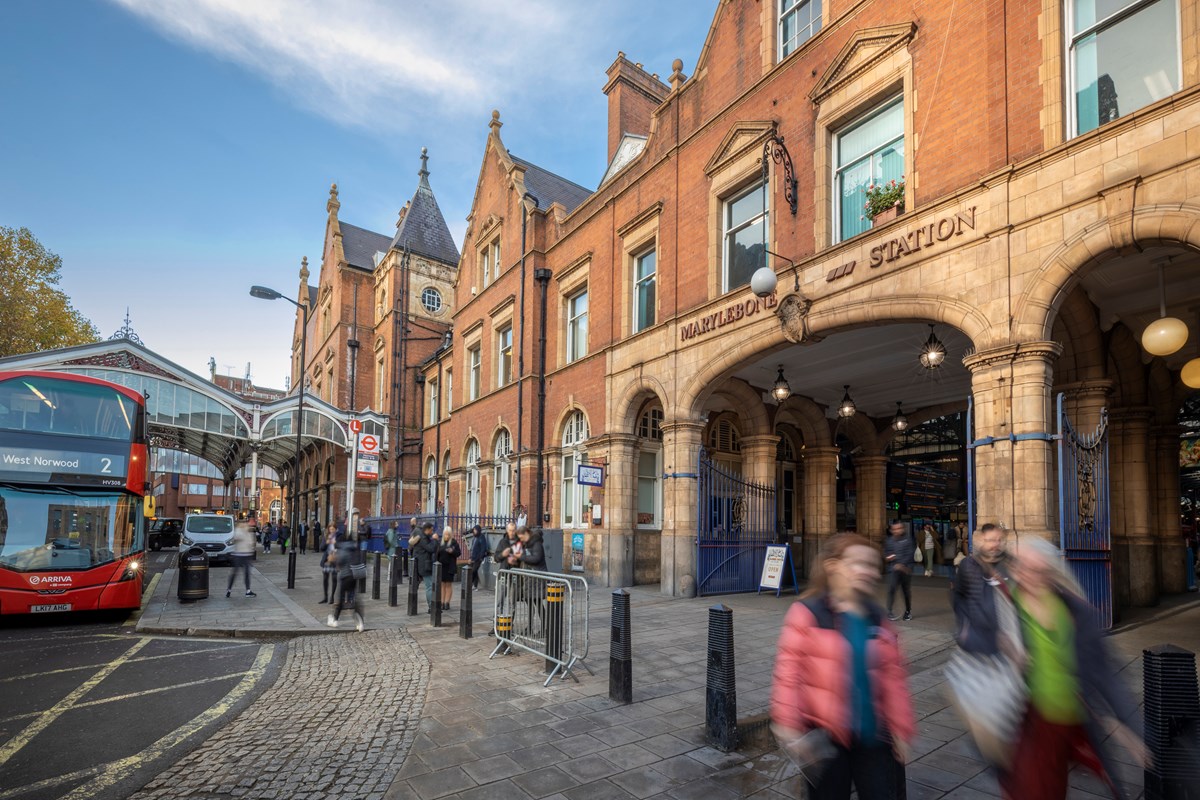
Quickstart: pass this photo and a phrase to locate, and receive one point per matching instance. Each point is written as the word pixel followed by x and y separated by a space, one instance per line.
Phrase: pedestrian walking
pixel 981 591
pixel 329 582
pixel 424 546
pixel 284 533
pixel 302 537
pixel 930 545
pixel 840 704
pixel 318 536
pixel 1073 694
pixel 243 551
pixel 898 553
pixel 267 533
pixel 448 552
pixel 348 561
pixel 479 551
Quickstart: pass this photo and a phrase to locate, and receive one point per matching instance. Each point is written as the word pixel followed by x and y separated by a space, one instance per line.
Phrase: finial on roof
pixel 495 123
pixel 677 76
pixel 424 173
pixel 333 205
pixel 304 268
pixel 126 331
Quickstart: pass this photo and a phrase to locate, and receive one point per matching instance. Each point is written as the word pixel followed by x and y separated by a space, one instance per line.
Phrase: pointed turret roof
pixel 422 228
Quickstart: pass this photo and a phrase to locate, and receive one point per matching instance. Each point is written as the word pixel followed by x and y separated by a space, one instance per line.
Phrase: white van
pixel 211 532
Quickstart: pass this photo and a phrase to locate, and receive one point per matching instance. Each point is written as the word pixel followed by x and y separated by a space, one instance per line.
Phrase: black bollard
pixel 393 575
pixel 1172 720
pixel 403 564
pixel 412 591
pixel 720 701
pixel 465 623
pixel 435 608
pixel 375 578
pixel 360 585
pixel 555 625
pixel 620 650
pixel 291 573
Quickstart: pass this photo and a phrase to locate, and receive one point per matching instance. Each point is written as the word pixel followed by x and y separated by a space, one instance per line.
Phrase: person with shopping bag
pixel 840 704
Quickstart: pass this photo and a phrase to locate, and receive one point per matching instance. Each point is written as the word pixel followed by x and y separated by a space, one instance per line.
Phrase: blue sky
pixel 174 152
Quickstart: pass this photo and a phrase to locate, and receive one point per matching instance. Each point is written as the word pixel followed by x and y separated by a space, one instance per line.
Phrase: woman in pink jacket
pixel 839 701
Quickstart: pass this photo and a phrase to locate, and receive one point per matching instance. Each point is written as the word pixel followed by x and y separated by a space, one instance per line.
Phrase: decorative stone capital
pixel 683 427
pixel 820 454
pixel 764 442
pixel 1086 389
pixel 1131 415
pixel 1013 353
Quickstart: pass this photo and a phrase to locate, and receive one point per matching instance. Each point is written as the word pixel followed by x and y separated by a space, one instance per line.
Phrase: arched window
pixel 471 506
pixel 430 484
pixel 502 472
pixel 649 468
pixel 574 497
pixel 724 437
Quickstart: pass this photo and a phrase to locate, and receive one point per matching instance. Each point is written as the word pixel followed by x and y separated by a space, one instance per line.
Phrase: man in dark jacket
pixel 424 546
pixel 980 576
pixel 898 553
pixel 479 551
pixel 533 552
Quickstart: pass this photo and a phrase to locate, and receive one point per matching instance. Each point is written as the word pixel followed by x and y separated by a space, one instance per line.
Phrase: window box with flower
pixel 885 201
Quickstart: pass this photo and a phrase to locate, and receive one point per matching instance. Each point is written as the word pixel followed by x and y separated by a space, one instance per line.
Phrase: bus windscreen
pixel 47 529
pixel 38 404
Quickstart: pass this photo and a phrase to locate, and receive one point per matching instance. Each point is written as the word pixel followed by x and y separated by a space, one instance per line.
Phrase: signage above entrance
pixel 726 316
pixel 916 239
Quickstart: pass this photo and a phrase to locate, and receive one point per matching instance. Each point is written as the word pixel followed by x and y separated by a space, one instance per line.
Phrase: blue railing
pixel 459 523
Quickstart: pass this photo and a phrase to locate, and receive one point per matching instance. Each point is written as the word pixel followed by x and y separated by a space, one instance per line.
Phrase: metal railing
pixel 459 523
pixel 544 613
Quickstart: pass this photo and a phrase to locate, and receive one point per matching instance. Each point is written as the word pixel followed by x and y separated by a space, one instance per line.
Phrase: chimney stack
pixel 633 95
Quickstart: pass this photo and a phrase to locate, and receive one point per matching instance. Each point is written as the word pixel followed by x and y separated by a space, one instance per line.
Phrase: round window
pixel 431 298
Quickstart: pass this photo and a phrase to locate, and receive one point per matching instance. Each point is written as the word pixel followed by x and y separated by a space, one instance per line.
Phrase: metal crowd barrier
pixel 543 613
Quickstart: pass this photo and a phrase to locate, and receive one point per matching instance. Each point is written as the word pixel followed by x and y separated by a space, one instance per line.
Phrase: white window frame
pixel 788 8
pixel 430 483
pixel 496 257
pixel 380 381
pixel 727 233
pixel 504 362
pixel 502 475
pixel 474 364
pixel 471 504
pixel 574 497
pixel 1131 9
pixel 434 410
pixel 838 168
pixel 431 291
pixel 449 391
pixel 652 278
pixel 655 480
pixel 485 266
pixel 577 323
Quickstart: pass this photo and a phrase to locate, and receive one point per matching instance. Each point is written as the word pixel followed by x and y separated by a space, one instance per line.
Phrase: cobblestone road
pixel 338 724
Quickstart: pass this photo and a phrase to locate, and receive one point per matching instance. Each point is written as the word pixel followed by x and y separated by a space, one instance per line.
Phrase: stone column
pixel 870 474
pixel 608 550
pixel 1135 551
pixel 1014 474
pixel 1083 402
pixel 820 499
pixel 759 464
pixel 681 449
pixel 1172 554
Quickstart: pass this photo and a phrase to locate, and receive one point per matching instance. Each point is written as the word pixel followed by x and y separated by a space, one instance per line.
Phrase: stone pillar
pixel 820 499
pixel 608 551
pixel 870 474
pixel 681 502
pixel 1083 402
pixel 759 464
pixel 1135 551
pixel 1015 482
pixel 1172 554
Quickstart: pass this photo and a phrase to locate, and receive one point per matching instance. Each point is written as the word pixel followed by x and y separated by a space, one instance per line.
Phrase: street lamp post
pixel 263 293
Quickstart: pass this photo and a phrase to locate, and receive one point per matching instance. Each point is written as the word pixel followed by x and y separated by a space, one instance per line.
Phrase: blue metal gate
pixel 737 521
pixel 1083 517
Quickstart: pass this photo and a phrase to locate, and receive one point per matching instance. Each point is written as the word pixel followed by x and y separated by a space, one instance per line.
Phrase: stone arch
pixel 466 447
pixel 495 439
pixel 561 423
pixel 807 417
pixel 746 403
pixel 1102 240
pixel 1083 346
pixel 631 400
pixel 830 316
pixel 860 430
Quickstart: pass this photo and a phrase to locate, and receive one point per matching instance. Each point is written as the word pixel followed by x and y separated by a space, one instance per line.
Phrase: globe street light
pixel 263 293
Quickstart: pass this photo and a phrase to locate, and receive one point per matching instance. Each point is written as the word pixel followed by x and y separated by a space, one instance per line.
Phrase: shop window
pixel 471 504
pixel 1123 55
pixel 868 151
pixel 502 474
pixel 577 326
pixel 645 270
pixel 745 236
pixel 799 21
pixel 574 497
pixel 474 357
pixel 504 356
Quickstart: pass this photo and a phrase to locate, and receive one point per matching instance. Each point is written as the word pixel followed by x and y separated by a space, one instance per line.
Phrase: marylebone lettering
pixel 719 319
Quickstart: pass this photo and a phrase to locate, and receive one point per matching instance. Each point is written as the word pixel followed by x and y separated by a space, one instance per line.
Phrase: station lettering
pixel 726 316
pixel 915 240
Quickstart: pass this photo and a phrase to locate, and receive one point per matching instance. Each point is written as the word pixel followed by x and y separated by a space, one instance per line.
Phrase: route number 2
pixel 107 468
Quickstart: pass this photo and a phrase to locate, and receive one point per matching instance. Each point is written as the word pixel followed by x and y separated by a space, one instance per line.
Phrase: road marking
pixel 29 675
pixel 15 744
pixel 147 593
pixel 112 773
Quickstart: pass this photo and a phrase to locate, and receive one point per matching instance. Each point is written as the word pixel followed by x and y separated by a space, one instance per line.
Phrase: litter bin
pixel 193 575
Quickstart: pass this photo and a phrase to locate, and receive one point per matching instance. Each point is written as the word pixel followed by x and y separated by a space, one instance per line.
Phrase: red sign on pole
pixel 356 426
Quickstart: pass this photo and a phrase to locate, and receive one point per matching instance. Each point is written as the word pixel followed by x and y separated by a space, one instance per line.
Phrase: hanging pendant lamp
pixel 933 352
pixel 781 391
pixel 899 422
pixel 847 408
pixel 1166 335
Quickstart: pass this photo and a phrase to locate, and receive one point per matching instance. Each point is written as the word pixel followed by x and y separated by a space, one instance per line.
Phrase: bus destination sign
pixel 22 464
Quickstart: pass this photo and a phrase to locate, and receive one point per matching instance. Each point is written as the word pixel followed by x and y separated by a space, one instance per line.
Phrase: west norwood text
pixel 913 241
pixel 719 319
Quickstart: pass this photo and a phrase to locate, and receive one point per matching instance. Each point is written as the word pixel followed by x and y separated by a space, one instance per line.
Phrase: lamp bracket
pixel 774 150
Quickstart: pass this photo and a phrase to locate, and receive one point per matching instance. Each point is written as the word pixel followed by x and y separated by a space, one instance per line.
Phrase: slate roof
pixel 312 296
pixel 423 229
pixel 361 245
pixel 549 188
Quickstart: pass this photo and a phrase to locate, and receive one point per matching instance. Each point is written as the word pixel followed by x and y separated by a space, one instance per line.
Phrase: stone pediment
pixel 742 137
pixel 859 54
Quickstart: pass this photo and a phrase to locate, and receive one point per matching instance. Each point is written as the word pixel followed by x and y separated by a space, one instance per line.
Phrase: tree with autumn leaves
pixel 34 313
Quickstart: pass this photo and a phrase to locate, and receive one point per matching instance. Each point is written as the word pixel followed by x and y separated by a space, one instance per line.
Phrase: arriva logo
pixel 34 580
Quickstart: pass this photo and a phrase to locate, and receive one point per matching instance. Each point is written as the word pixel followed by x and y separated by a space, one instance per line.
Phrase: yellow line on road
pixel 147 593
pixel 15 744
pixel 31 675
pixel 112 773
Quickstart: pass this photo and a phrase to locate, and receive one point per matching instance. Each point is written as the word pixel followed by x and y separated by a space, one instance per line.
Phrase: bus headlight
pixel 133 569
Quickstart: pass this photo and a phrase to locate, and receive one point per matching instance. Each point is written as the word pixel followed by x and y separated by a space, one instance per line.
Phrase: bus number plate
pixel 49 608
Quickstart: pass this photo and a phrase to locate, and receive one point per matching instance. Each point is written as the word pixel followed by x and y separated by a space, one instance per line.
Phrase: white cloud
pixel 372 63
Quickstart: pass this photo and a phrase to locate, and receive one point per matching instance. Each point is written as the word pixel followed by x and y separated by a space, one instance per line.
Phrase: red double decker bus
pixel 73 463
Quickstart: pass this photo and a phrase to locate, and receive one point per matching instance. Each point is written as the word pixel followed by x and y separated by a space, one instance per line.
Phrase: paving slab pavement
pixel 489 729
